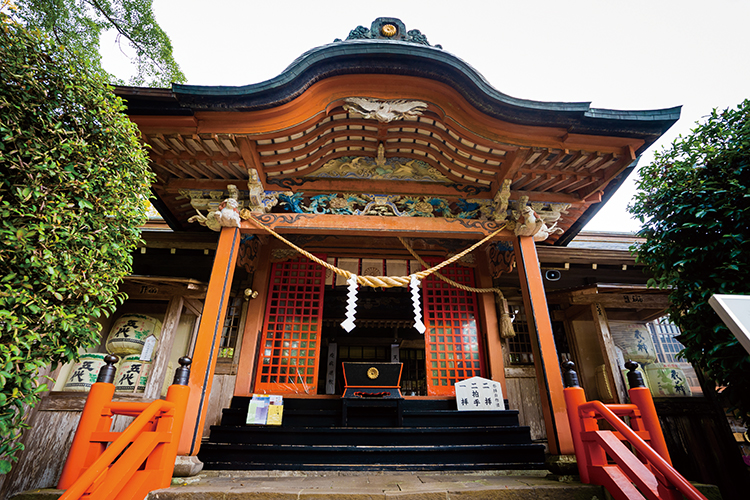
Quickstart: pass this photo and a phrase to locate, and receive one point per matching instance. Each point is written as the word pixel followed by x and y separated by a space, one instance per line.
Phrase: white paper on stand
pixel 479 393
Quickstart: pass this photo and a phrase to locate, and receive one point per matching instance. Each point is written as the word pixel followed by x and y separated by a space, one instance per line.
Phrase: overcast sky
pixel 615 54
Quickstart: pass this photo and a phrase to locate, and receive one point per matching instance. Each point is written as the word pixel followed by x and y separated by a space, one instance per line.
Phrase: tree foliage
pixel 694 204
pixel 74 180
pixel 77 26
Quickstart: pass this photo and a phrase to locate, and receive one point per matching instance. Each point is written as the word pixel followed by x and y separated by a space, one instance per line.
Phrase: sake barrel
pixel 132 374
pixel 129 333
pixel 84 373
pixel 667 379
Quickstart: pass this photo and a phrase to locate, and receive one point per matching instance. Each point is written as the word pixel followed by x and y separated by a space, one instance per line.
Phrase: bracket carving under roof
pixel 225 211
pixel 225 214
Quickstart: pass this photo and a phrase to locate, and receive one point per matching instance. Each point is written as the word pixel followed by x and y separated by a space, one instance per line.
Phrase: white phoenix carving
pixel 384 111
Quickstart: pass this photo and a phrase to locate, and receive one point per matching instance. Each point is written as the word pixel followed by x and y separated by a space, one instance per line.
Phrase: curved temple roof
pixel 303 129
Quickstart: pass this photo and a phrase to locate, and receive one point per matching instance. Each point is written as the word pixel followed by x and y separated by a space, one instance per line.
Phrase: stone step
pixel 295 485
pixel 357 457
pixel 363 436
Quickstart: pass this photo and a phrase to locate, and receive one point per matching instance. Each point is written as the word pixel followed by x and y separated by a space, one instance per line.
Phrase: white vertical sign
pixel 395 354
pixel 331 368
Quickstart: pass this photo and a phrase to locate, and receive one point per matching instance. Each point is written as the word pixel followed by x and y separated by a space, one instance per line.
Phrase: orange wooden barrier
pixel 603 455
pixel 139 459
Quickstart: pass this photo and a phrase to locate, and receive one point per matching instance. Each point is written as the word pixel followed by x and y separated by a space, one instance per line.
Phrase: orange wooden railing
pixel 603 456
pixel 139 459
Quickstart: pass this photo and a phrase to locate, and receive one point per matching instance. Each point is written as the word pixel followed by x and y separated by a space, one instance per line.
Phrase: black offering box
pixel 372 380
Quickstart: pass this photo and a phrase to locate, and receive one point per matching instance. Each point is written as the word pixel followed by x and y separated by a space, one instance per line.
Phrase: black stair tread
pixel 434 436
pixel 405 410
pixel 330 447
pixel 374 467
pixel 358 429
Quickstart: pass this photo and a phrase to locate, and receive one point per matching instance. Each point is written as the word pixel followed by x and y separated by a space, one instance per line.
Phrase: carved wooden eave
pixel 162 288
pixel 647 303
pixel 354 225
pixel 387 103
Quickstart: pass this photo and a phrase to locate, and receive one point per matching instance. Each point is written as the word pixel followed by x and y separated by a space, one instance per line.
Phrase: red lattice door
pixel 452 346
pixel 290 346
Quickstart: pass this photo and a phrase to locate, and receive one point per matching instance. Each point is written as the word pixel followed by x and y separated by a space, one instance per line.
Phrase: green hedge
pixel 74 183
pixel 694 203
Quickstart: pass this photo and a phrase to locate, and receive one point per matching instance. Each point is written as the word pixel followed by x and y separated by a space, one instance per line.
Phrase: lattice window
pixel 231 329
pixel 413 375
pixel 363 353
pixel 290 346
pixel 519 347
pixel 451 339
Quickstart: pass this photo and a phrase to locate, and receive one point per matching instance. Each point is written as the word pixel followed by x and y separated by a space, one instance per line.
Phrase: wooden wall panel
pixel 47 445
pixel 222 390
pixel 523 395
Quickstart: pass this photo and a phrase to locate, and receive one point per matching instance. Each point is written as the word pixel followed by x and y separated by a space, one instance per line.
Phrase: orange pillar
pixel 207 342
pixel 253 324
pixel 543 345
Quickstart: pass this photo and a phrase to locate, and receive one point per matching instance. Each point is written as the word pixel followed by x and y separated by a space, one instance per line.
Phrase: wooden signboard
pixel 479 393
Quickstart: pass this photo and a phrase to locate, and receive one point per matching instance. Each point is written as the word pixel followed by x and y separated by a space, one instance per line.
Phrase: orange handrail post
pixel 648 468
pixel 575 397
pixel 139 459
pixel 163 459
pixel 640 395
pixel 93 418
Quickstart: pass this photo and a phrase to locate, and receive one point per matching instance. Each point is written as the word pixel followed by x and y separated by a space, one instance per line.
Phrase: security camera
pixel 552 275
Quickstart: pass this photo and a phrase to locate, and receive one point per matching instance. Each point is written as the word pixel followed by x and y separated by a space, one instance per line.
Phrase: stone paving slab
pixel 376 486
pixel 299 485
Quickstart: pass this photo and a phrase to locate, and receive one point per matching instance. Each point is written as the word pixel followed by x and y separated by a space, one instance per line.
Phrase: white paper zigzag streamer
pixel 351 304
pixel 418 324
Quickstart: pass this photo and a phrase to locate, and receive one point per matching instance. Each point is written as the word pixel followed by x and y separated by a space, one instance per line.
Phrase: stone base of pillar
pixel 186 466
pixel 563 465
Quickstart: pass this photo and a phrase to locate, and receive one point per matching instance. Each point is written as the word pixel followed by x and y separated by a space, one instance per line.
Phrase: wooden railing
pixel 139 459
pixel 641 471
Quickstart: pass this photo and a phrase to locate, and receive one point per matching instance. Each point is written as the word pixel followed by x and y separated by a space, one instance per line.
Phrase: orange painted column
pixel 254 319
pixel 207 342
pixel 486 303
pixel 547 367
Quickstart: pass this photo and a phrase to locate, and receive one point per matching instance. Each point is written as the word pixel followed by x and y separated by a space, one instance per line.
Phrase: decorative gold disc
pixel 373 373
pixel 388 30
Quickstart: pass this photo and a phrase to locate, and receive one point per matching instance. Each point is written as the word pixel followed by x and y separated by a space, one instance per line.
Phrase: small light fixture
pixel 250 293
pixel 593 266
pixel 624 267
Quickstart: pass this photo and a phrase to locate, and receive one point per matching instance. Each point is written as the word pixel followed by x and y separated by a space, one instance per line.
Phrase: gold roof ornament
pixel 388 30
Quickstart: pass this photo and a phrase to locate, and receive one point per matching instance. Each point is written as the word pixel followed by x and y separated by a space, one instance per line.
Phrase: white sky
pixel 616 54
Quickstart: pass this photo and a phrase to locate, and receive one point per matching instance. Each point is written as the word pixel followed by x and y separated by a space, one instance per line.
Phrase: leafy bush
pixel 694 203
pixel 74 180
